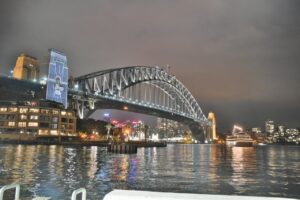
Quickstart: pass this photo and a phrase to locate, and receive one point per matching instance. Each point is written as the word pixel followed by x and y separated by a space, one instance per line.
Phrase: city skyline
pixel 241 66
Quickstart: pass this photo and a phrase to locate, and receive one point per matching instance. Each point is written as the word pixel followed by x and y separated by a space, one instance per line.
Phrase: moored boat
pixel 240 140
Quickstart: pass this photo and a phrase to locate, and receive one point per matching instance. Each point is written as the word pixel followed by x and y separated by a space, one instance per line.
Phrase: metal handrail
pixel 8 187
pixel 77 192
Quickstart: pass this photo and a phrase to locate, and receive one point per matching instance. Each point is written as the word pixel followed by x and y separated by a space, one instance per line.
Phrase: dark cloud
pixel 239 58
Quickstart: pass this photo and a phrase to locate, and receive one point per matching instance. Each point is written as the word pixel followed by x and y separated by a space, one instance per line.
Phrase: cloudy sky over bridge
pixel 240 58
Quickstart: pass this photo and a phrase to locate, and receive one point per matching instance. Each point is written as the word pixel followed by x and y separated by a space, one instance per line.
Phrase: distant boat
pixel 261 144
pixel 239 140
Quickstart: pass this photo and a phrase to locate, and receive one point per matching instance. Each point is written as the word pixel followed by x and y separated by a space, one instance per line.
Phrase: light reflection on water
pixel 58 170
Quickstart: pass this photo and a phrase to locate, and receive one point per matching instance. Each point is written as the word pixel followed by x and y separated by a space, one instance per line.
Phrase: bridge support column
pixel 80 108
pixel 91 104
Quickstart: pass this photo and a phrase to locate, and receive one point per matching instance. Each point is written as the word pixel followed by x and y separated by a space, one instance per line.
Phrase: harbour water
pixel 56 171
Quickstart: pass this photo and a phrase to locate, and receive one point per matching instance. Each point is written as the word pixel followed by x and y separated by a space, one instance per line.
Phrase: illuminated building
pixel 127 129
pixel 167 128
pixel 211 117
pixel 26 68
pixel 292 131
pixel 57 81
pixel 256 130
pixel 292 135
pixel 281 130
pixel 41 118
pixel 270 127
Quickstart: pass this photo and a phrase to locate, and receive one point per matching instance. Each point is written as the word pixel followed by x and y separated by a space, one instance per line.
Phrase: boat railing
pixel 140 195
pixel 9 187
pixel 81 191
pixel 75 194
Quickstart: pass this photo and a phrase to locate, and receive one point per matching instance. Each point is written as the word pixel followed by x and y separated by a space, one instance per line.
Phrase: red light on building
pixel 93 137
pixel 114 122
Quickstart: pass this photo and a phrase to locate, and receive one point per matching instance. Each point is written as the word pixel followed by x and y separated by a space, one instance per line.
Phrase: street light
pixel 106 117
pixel 43 80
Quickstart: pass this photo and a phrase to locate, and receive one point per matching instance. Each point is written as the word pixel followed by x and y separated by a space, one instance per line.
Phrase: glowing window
pixel 23 116
pixel 11 123
pixel 63 112
pixel 23 110
pixel 34 110
pixel 33 124
pixel 53 132
pixel 12 109
pixel 3 109
pixel 55 112
pixel 34 117
pixel 43 132
pixel 44 111
pixel 22 124
pixel 70 114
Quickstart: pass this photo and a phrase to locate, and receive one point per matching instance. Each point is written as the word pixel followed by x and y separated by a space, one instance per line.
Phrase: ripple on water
pixel 57 170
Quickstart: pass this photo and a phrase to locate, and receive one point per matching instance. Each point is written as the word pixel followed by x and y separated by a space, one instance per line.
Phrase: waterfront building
pixel 292 132
pixel 292 135
pixel 127 130
pixel 211 117
pixel 26 68
pixel 270 127
pixel 168 128
pixel 256 130
pixel 281 130
pixel 40 118
pixel 257 133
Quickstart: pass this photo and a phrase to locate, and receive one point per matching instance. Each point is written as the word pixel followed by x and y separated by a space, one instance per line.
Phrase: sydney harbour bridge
pixel 142 89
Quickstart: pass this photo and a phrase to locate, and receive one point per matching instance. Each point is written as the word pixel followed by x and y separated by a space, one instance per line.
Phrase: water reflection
pixel 244 168
pixel 57 170
pixel 93 162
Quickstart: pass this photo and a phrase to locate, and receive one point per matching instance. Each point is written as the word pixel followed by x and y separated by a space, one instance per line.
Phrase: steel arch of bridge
pixel 129 84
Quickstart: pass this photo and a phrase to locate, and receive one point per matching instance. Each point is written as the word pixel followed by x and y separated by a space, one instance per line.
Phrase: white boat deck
pixel 141 195
pixel 144 195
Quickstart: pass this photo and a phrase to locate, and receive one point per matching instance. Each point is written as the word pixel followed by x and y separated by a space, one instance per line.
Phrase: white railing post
pixel 8 187
pixel 78 191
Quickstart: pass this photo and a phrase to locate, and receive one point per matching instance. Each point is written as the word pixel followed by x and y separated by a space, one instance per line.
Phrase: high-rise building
pixel 169 128
pixel 270 127
pixel 211 117
pixel 26 68
pixel 281 130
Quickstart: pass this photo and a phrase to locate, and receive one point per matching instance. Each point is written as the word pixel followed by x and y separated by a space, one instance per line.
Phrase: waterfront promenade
pixel 73 141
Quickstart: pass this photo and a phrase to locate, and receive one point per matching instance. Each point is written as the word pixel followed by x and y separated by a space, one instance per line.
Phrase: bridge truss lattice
pixel 149 87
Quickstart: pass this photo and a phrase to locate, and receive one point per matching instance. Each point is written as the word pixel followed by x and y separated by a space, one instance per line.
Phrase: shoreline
pixel 71 140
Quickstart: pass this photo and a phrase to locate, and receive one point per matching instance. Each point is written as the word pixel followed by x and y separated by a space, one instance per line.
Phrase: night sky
pixel 239 58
